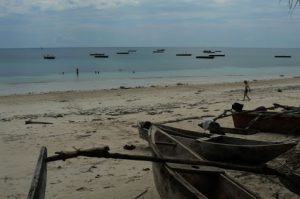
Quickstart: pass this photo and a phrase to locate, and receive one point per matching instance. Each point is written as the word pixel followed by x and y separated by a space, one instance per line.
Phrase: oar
pixel 103 152
pixel 290 179
pixel 286 107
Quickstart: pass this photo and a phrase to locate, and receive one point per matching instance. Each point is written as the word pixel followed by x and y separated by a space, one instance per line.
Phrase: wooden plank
pixel 38 184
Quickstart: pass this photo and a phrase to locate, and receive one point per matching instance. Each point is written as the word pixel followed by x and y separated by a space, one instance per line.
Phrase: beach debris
pixel 98 176
pixel 63 100
pixel 108 186
pixel 54 115
pixel 279 90
pixel 89 169
pixel 84 189
pixel 6 119
pixel 82 136
pixel 129 147
pixel 123 87
pixel 36 122
pixel 141 194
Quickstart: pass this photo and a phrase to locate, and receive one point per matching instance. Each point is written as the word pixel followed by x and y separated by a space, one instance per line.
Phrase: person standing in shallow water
pixel 246 91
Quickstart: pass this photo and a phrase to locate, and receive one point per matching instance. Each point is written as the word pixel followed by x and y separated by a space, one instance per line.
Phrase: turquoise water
pixel 25 70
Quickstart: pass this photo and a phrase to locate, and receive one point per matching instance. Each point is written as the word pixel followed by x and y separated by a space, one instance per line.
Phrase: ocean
pixel 26 71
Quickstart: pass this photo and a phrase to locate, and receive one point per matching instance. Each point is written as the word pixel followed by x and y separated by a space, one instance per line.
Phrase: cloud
pixel 8 7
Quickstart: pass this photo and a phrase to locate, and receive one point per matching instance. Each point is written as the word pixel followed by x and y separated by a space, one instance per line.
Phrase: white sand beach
pixel 87 119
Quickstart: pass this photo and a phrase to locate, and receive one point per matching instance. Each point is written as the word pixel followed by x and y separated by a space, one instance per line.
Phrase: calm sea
pixel 25 70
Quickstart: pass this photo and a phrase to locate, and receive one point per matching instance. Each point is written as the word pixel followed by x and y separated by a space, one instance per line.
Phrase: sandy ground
pixel 109 117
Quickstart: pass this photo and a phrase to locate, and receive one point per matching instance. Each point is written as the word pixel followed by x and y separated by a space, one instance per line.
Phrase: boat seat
pixel 194 168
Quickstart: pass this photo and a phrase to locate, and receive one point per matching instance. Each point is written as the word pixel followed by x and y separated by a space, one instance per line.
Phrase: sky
pixel 139 23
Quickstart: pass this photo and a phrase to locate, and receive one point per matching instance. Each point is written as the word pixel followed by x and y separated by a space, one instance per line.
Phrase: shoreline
pixel 86 119
pixel 178 83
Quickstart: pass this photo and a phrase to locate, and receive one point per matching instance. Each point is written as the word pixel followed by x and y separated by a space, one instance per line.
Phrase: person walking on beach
pixel 77 72
pixel 247 90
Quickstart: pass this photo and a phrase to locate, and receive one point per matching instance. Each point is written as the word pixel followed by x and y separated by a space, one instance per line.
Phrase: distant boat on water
pixel 101 56
pixel 209 51
pixel 159 50
pixel 49 57
pixel 94 54
pixel 282 56
pixel 205 57
pixel 122 53
pixel 218 55
pixel 183 54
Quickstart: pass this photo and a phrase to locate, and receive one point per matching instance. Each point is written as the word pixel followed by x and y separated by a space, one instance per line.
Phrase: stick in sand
pixel 35 122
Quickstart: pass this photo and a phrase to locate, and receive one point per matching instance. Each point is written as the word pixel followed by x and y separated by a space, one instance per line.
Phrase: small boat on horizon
pixel 282 56
pixel 101 56
pixel 218 55
pixel 208 51
pixel 159 50
pixel 122 53
pixel 49 57
pixel 94 54
pixel 205 57
pixel 183 54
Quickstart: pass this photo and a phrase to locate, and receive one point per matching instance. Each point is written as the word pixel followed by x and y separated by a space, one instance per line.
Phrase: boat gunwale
pixel 198 156
pixel 266 143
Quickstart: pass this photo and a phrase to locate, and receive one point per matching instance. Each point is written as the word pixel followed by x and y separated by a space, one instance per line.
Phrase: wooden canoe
pixel 276 122
pixel 177 181
pixel 143 128
pixel 224 148
pixel 38 185
pixel 240 151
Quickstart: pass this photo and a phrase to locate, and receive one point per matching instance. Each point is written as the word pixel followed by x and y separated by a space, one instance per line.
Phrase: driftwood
pixel 35 122
pixel 292 179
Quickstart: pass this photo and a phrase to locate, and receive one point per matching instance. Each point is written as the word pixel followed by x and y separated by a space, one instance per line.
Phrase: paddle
pixel 290 179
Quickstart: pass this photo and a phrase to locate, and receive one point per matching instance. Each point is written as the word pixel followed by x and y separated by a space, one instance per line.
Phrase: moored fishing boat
pixel 205 57
pixel 225 148
pixel 282 56
pixel 101 56
pixel 184 54
pixel 267 121
pixel 49 57
pixel 179 181
pixel 96 54
pixel 159 50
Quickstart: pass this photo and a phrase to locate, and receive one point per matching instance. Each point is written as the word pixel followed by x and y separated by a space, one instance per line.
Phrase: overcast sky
pixel 105 23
